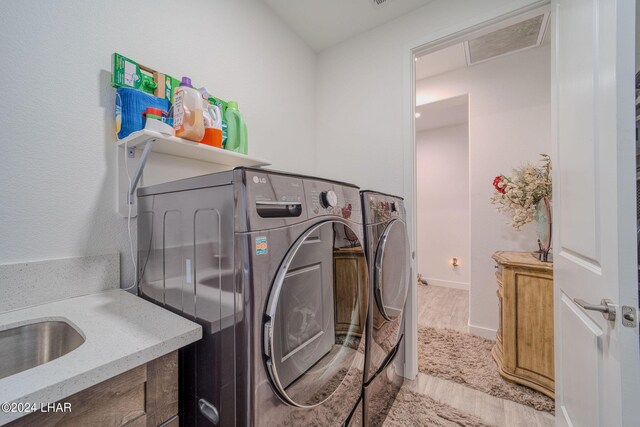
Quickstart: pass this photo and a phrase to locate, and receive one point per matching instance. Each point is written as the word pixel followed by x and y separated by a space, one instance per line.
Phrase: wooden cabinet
pixel 142 397
pixel 351 288
pixel 524 342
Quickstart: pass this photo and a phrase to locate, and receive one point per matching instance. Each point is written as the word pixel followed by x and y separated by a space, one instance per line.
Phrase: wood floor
pixel 449 308
pixel 440 307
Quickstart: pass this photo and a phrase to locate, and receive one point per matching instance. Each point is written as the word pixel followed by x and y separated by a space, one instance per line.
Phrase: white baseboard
pixel 447 283
pixel 482 332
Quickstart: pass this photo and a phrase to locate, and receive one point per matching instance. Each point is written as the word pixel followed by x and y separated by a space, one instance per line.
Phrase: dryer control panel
pixel 379 207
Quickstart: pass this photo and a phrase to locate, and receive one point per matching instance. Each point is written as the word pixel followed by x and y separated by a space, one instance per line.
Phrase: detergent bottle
pixel 236 129
pixel 212 119
pixel 212 124
pixel 188 118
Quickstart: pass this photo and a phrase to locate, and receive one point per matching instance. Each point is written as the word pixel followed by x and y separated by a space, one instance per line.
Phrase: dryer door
pixel 391 274
pixel 316 314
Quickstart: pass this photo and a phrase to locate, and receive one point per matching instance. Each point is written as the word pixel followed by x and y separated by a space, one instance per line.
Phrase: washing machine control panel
pixel 328 199
pixel 325 198
pixel 277 200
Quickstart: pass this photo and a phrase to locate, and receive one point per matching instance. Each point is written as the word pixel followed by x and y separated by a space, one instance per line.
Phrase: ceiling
pixel 523 32
pixel 324 23
pixel 448 112
pixel 447 59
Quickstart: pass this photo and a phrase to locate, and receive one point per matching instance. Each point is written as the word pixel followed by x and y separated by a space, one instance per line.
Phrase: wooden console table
pixel 524 342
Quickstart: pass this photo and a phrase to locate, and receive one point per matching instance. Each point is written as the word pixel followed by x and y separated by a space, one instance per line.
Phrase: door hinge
pixel 629 318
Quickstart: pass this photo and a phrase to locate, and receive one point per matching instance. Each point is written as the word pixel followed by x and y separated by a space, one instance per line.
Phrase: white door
pixel 597 362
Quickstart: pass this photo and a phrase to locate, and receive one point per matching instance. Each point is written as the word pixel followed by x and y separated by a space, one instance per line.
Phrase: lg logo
pixel 258 180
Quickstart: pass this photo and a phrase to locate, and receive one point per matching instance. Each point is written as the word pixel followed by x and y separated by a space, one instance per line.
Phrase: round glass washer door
pixel 315 317
pixel 392 270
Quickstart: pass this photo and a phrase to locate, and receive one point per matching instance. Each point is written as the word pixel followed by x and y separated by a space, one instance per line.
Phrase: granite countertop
pixel 121 331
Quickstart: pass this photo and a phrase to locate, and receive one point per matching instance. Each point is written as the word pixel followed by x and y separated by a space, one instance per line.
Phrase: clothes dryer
pixel 388 253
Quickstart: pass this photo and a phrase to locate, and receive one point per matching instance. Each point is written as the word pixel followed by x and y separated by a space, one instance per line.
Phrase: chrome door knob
pixel 606 307
pixel 329 199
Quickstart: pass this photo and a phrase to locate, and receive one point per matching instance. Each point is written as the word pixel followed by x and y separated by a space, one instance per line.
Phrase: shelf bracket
pixel 139 169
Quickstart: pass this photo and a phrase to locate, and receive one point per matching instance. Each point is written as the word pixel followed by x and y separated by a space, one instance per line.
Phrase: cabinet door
pixel 145 395
pixel 534 327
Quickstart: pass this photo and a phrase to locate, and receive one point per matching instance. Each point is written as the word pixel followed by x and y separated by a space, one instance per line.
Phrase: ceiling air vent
pixel 513 38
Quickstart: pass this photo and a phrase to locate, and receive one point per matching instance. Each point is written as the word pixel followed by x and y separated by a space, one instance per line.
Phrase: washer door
pixel 316 315
pixel 392 269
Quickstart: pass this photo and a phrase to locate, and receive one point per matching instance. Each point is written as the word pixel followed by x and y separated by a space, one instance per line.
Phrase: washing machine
pixel 388 253
pixel 272 265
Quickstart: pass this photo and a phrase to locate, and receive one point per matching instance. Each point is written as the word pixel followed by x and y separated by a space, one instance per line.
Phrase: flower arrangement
pixel 518 195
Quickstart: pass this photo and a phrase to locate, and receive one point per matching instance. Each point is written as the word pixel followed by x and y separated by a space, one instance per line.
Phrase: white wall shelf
pixel 151 141
pixel 179 147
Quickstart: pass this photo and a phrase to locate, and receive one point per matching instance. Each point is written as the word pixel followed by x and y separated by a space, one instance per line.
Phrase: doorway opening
pixel 482 108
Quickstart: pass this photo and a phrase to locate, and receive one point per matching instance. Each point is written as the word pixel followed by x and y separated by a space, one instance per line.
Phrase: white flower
pixel 529 185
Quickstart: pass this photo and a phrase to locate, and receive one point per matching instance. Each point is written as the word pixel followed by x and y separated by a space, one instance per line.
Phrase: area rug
pixel 466 359
pixel 414 409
